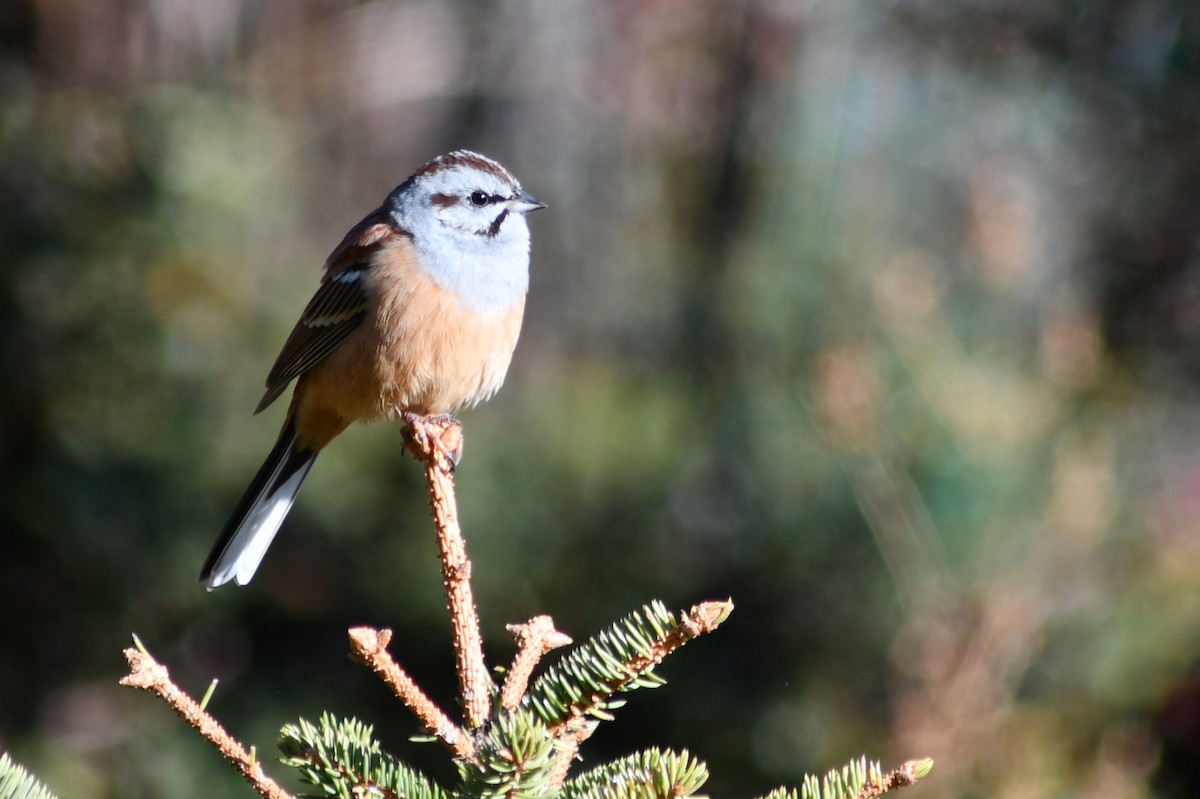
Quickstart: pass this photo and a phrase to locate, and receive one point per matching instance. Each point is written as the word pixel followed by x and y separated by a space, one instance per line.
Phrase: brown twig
pixel 534 639
pixel 369 647
pixel 436 443
pixel 149 675
pixel 568 740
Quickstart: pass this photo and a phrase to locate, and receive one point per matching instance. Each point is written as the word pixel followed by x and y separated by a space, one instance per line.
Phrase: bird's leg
pixel 424 435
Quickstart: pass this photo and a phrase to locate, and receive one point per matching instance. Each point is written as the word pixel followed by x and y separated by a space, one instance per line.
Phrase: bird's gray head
pixel 466 214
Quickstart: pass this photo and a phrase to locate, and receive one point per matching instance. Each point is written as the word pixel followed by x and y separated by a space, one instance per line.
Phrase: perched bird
pixel 418 312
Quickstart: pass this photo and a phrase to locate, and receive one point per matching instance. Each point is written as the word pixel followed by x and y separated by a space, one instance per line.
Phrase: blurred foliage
pixel 878 317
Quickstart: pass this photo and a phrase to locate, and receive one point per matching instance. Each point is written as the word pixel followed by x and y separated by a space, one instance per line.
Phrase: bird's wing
pixel 338 307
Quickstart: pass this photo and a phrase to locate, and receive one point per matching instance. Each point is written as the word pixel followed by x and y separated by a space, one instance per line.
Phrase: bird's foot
pixel 426 437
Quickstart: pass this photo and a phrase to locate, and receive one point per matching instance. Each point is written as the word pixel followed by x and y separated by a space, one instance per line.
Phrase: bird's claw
pixel 429 436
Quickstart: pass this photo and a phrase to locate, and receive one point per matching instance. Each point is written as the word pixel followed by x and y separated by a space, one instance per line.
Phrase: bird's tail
pixel 256 519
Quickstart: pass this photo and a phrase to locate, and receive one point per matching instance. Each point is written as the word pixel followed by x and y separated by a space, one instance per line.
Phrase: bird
pixel 417 315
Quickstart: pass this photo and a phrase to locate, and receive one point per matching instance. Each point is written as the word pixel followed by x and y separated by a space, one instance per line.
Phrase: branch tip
pixel 900 777
pixel 147 674
pixel 708 616
pixel 539 630
pixel 369 648
pixel 534 639
pixel 368 640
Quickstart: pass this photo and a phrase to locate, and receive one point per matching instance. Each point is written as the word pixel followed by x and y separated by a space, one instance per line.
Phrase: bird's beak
pixel 525 203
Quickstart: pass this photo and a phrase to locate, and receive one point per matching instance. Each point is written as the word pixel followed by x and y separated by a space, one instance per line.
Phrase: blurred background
pixel 882 318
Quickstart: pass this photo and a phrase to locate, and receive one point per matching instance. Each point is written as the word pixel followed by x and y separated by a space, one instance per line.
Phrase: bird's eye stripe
pixel 494 228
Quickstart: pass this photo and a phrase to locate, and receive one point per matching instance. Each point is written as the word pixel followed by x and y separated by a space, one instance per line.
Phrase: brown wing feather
pixel 338 307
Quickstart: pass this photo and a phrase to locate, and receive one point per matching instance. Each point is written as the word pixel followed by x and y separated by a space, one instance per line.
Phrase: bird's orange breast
pixel 418 350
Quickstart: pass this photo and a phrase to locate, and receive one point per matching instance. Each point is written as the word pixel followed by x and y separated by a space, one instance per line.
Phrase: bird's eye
pixel 479 198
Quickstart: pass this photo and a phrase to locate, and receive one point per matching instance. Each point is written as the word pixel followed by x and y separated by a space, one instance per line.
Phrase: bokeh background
pixel 882 318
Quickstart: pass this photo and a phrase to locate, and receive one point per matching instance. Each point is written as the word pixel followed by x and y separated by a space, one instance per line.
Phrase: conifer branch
pixel 369 647
pixel 342 758
pixel 519 743
pixel 700 619
pixel 17 783
pixel 902 776
pixel 148 674
pixel 516 758
pixel 437 443
pixel 652 774
pixel 534 639
pixel 858 779
pixel 620 658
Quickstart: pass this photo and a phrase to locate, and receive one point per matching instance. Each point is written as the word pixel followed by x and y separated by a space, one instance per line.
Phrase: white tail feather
pixel 241 557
